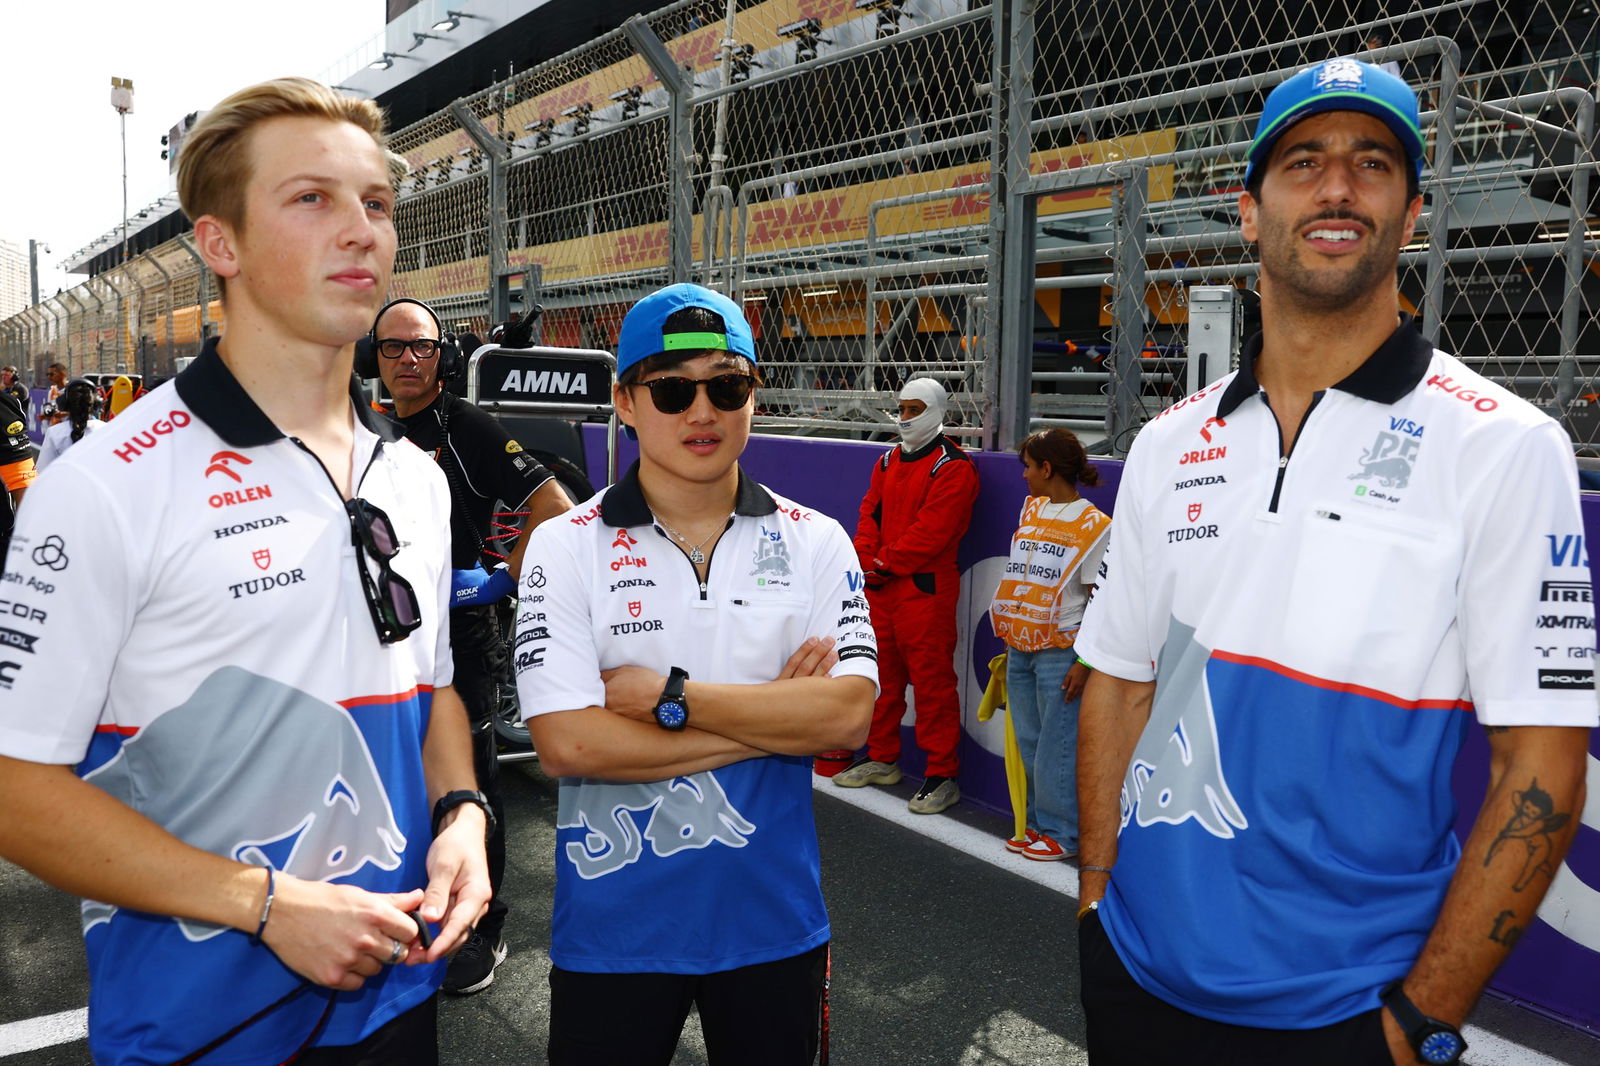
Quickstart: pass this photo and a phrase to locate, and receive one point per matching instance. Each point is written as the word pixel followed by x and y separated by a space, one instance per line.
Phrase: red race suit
pixel 912 520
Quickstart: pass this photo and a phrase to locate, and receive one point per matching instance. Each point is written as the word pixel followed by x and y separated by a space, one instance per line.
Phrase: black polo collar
pixel 211 391
pixel 1387 375
pixel 624 505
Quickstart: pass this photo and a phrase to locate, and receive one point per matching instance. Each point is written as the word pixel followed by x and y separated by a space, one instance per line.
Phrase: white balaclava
pixel 916 433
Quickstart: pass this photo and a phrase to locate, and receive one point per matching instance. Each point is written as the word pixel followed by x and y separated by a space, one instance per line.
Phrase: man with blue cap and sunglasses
pixel 1321 566
pixel 686 641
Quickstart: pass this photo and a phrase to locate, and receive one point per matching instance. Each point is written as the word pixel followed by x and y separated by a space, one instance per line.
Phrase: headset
pixel 449 357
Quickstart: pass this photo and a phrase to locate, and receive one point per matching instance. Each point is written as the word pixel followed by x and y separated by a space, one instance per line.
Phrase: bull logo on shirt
pixel 1389 460
pixel 309 801
pixel 685 813
pixel 1176 771
pixel 772 555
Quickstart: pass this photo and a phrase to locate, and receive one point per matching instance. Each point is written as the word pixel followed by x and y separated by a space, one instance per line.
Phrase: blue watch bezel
pixel 671 714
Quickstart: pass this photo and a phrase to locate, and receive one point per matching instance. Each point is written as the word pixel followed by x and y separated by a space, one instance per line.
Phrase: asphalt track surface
pixel 947 951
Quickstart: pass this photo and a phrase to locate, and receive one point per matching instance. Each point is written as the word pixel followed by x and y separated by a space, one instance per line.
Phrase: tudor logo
pixel 634 607
pixel 262 557
pixel 220 464
pixel 1194 512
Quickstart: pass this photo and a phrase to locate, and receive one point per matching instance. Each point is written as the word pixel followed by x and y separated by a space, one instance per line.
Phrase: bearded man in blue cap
pixel 686 641
pixel 1323 567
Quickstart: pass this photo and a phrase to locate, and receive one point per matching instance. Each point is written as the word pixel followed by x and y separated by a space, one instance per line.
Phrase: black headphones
pixel 366 361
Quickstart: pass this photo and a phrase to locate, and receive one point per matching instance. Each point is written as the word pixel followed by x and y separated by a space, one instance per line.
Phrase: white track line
pixel 1486 1049
pixel 1059 877
pixel 48 1031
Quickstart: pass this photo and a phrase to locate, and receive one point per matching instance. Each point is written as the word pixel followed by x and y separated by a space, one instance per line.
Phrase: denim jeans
pixel 1047 735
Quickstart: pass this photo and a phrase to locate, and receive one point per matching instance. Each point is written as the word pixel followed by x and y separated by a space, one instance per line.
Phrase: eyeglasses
pixel 391 599
pixel 673 396
pixel 394 347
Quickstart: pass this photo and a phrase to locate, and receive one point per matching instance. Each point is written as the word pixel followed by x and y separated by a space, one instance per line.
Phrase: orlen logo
pixel 1204 455
pixel 248 494
pixel 221 464
pixel 142 442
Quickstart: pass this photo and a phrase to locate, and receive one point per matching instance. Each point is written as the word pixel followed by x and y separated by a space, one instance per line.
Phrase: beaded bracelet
pixel 266 907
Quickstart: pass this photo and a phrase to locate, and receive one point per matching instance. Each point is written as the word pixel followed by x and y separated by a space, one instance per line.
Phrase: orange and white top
pixel 1055 555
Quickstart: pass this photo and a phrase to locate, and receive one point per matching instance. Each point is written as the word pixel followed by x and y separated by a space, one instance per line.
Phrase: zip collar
pixel 210 390
pixel 1387 375
pixel 624 504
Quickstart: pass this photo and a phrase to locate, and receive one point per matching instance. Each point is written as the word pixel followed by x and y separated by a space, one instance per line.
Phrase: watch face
pixel 671 715
pixel 1441 1047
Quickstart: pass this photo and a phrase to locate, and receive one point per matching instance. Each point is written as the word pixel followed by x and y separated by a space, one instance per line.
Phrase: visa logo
pixel 855 580
pixel 1567 550
pixel 1406 426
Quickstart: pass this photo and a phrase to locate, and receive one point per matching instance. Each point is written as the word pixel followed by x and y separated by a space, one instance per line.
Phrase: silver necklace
pixel 695 555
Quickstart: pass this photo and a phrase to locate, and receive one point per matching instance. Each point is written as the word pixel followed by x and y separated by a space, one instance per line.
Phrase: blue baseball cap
pixel 1340 85
pixel 644 328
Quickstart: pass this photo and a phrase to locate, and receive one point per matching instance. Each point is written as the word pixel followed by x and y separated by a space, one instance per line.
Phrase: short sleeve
pixel 71 591
pixel 497 465
pixel 554 654
pixel 840 608
pixel 1116 634
pixel 1525 609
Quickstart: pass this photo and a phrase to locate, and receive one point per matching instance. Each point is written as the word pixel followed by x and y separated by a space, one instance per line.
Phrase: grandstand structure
pixel 1012 196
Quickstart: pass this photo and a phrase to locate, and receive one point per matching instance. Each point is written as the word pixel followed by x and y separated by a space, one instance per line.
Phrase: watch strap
pixel 1417 1025
pixel 451 800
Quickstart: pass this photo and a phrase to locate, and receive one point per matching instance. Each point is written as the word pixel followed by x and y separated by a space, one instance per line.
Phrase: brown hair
pixel 215 161
pixel 1063 451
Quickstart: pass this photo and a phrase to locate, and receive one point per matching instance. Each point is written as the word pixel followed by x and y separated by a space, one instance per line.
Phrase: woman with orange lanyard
pixel 1055 555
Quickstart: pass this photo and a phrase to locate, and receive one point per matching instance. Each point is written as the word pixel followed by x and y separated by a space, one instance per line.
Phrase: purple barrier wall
pixel 1556 966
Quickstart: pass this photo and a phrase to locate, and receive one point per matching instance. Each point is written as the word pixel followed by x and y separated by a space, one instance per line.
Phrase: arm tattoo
pixel 1532 820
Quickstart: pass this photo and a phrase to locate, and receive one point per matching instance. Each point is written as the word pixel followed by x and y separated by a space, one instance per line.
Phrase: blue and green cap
pixel 1340 85
pixel 644 328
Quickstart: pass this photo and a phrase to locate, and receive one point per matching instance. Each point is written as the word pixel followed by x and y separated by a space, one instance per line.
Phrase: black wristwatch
pixel 1435 1042
pixel 672 710
pixel 451 800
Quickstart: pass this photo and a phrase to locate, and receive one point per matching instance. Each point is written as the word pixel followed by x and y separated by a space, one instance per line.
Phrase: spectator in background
pixel 1376 41
pixel 913 517
pixel 80 402
pixel 1036 611
pixel 12 385
pixel 482 464
pixel 56 373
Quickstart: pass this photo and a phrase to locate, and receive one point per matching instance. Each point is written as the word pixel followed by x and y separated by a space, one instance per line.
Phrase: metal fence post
pixel 205 276
pixel 680 150
pixel 1011 300
pixel 1439 212
pixel 1128 309
pixel 499 154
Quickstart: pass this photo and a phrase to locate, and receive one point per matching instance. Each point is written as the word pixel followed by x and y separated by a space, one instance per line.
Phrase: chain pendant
pixel 696 557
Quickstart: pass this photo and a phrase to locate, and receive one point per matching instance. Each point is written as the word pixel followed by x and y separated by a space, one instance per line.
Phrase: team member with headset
pixel 409 350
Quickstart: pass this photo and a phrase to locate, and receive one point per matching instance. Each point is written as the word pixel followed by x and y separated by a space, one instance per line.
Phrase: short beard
pixel 1335 288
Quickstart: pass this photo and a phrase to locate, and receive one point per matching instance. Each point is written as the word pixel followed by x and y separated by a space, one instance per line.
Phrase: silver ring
pixel 396 955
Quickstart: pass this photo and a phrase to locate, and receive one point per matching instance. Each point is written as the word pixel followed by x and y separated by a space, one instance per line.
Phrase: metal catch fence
pixel 1013 197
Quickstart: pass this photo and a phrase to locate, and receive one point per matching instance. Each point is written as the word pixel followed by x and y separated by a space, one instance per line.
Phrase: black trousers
pixel 763 1015
pixel 480 659
pixel 1130 1027
pixel 412 1039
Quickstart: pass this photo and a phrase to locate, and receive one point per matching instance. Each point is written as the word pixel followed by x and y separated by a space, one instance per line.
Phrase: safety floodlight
pixel 542 131
pixel 451 20
pixel 418 37
pixel 743 57
pixel 805 33
pixel 579 114
pixel 890 12
pixel 383 62
pixel 631 100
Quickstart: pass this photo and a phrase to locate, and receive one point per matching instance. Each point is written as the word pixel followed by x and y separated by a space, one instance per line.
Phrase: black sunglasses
pixel 673 396
pixel 391 599
pixel 394 348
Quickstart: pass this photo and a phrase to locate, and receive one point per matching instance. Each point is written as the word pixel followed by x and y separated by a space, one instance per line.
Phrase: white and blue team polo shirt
pixel 185 623
pixel 719 869
pixel 1322 631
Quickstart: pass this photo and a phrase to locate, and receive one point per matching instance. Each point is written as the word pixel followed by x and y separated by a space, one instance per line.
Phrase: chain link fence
pixel 1012 197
